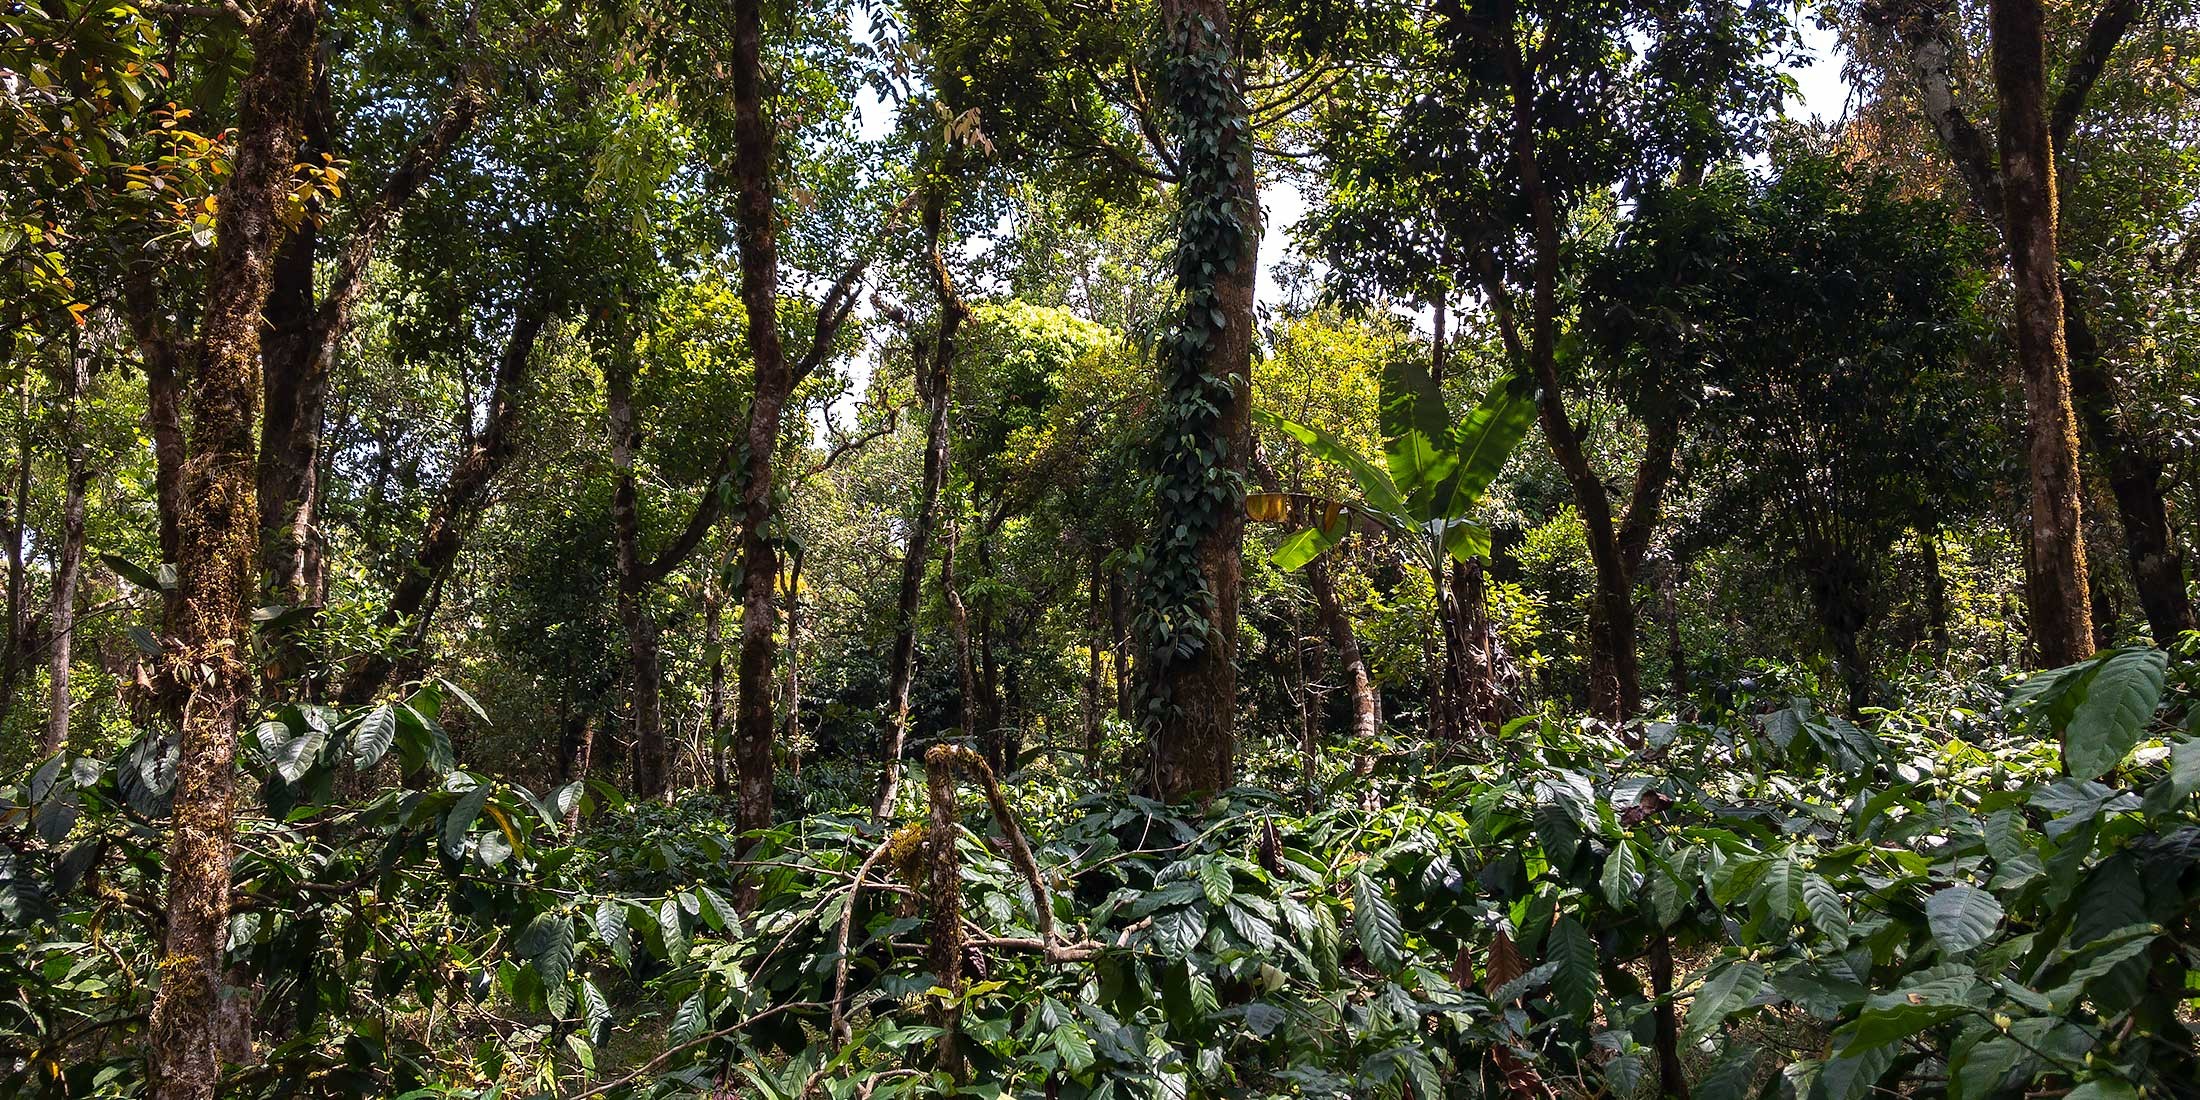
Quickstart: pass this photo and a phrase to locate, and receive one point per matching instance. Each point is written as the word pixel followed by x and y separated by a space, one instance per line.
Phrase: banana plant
pixel 1434 471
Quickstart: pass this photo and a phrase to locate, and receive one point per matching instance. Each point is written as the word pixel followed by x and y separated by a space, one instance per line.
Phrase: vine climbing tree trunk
pixel 217 545
pixel 2061 605
pixel 1193 571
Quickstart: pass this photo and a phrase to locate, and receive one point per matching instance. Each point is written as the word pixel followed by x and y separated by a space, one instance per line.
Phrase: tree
pixel 1819 328
pixel 2061 603
pixel 1494 127
pixel 218 541
pixel 1204 429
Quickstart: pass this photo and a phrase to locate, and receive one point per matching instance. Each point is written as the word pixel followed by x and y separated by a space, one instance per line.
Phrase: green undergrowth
pixel 1988 895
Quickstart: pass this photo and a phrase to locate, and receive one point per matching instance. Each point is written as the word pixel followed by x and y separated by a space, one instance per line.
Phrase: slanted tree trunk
pixel 1119 643
pixel 68 557
pixel 1617 543
pixel 1367 706
pixel 303 333
pixel 1193 680
pixel 935 374
pixel 958 632
pixel 2061 605
pixel 469 481
pixel 753 140
pixel 217 544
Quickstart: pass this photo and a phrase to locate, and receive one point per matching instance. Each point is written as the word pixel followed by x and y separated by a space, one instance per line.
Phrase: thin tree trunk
pixel 1367 706
pixel 444 536
pixel 1093 645
pixel 2061 607
pixel 714 612
pixel 11 660
pixel 1194 729
pixel 1936 590
pixel 935 378
pixel 217 550
pixel 68 558
pixel 2136 473
pixel 644 674
pixel 753 140
pixel 958 632
pixel 1119 643
pixel 791 734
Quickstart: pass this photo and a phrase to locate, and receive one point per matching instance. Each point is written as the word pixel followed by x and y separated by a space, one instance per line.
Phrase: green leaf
pixel 1417 443
pixel 2100 706
pixel 1724 994
pixel 296 756
pixel 1976 1071
pixel 1622 878
pixel 675 935
pixel 1909 1009
pixel 611 929
pixel 460 820
pixel 1487 440
pixel 1575 983
pixel 1382 936
pixel 687 1020
pixel 1374 484
pixel 1075 1047
pixel 1829 913
pixel 372 737
pixel 2102 1088
pixel 1962 917
pixel 1412 1064
pixel 1214 881
pixel 718 911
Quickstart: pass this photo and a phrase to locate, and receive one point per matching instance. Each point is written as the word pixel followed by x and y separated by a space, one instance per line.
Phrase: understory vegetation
pixel 1100 549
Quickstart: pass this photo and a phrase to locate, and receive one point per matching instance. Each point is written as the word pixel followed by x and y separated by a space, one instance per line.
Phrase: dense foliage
pixel 1100 549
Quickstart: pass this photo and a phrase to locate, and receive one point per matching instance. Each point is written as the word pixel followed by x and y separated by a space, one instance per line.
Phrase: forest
pixel 1100 549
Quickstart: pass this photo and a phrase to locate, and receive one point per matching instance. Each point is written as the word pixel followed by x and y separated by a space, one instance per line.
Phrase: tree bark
pixel 935 386
pixel 1119 643
pixel 644 674
pixel 958 633
pixel 18 626
pixel 217 547
pixel 2061 606
pixel 1093 645
pixel 759 249
pixel 1367 706
pixel 1194 732
pixel 445 534
pixel 68 558
pixel 714 613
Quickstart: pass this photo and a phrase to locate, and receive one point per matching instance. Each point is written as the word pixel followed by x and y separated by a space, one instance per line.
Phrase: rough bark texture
pixel 1194 743
pixel 18 625
pixel 958 633
pixel 752 170
pixel 714 614
pixel 935 385
pixel 2137 468
pixel 217 546
pixel 68 561
pixel 943 934
pixel 2061 607
pixel 445 534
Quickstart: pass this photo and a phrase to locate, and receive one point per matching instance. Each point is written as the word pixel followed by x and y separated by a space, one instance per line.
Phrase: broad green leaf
pixel 1575 983
pixel 460 820
pixel 1486 441
pixel 2101 706
pixel 1417 442
pixel 1375 485
pixel 372 737
pixel 611 929
pixel 1721 996
pixel 1382 937
pixel 1962 917
pixel 1622 878
pixel 1829 912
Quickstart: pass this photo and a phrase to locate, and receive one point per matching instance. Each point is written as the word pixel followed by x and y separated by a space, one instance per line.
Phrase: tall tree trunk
pixel 218 541
pixel 2061 606
pixel 1936 590
pixel 791 728
pixel 18 626
pixel 714 613
pixel 68 557
pixel 644 674
pixel 1119 643
pixel 1616 544
pixel 759 247
pixel 1093 645
pixel 2137 473
pixel 935 385
pixel 469 480
pixel 993 729
pixel 1192 669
